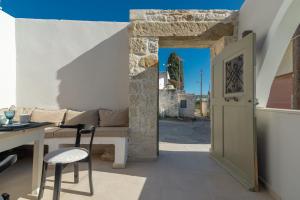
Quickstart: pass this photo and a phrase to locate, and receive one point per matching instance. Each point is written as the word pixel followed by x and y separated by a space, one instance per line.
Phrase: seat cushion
pixel 90 117
pixel 100 132
pixel 66 155
pixel 52 116
pixel 49 131
pixel 113 118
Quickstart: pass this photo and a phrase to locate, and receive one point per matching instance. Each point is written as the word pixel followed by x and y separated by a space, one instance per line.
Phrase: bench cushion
pixel 49 131
pixel 53 116
pixel 100 132
pixel 90 117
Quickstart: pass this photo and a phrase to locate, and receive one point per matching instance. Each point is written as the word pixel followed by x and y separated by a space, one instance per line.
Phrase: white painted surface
pixel 7 60
pixel 286 65
pixel 72 64
pixel 274 23
pixel 168 103
pixel 189 111
pixel 163 80
pixel 258 16
pixel 120 143
pixel 278 151
pixel 277 41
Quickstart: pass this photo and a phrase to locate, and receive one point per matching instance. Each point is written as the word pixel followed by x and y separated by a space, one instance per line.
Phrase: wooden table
pixel 12 138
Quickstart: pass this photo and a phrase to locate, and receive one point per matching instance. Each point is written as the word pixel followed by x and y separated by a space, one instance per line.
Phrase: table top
pixel 27 126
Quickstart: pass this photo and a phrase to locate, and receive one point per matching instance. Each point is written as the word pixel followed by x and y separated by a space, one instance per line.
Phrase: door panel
pixel 217 127
pixel 233 133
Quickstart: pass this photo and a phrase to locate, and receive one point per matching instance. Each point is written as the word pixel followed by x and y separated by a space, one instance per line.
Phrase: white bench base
pixel 121 146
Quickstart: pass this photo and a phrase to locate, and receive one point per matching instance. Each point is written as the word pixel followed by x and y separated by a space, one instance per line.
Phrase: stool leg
pixel 76 172
pixel 43 180
pixel 90 176
pixel 57 184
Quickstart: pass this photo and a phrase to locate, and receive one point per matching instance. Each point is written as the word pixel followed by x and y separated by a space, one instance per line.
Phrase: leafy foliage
pixel 175 69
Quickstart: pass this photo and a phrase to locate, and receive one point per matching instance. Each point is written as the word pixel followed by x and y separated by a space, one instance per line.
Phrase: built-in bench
pixel 118 136
pixel 111 128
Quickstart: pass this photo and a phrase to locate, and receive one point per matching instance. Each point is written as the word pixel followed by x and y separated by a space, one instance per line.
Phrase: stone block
pixel 150 60
pixel 138 46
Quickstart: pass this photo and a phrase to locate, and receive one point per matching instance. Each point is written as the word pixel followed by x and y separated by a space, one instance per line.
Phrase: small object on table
pixel 10 114
pixel 24 118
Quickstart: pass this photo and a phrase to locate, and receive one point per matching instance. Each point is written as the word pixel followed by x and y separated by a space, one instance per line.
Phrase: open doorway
pixel 184 88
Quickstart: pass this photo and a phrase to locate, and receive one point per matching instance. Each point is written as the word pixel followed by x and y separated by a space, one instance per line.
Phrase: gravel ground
pixel 184 132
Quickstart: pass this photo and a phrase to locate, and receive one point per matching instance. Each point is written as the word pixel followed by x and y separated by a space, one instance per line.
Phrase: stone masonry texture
pixel 147 27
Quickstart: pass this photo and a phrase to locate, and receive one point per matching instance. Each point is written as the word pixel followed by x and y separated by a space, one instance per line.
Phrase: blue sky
pixel 194 60
pixel 104 10
pixel 118 10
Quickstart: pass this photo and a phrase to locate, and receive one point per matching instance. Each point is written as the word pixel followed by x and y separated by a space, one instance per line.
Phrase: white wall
pixel 72 64
pixel 278 151
pixel 258 16
pixel 275 24
pixel 286 65
pixel 168 103
pixel 189 111
pixel 7 60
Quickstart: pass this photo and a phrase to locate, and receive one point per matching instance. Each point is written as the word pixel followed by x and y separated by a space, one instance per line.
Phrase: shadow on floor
pixel 174 175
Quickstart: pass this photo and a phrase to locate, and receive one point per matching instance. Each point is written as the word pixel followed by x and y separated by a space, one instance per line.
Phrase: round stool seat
pixel 66 155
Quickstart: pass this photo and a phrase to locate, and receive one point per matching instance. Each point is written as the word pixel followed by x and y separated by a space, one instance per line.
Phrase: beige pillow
pixel 52 116
pixel 85 117
pixel 110 118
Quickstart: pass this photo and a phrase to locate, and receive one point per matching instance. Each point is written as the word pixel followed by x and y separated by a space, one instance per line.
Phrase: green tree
pixel 175 69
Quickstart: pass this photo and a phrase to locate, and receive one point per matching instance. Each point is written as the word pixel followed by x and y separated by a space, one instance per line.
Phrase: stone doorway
pixel 149 30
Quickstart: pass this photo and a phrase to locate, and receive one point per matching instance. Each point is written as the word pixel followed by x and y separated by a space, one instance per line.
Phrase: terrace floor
pixel 184 170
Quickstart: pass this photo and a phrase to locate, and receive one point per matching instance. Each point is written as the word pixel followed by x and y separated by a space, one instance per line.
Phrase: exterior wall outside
pixel 278 151
pixel 7 60
pixel 286 65
pixel 168 103
pixel 205 108
pixel 72 64
pixel 253 16
pixel 281 93
pixel 274 29
pixel 296 68
pixel 189 111
pixel 163 80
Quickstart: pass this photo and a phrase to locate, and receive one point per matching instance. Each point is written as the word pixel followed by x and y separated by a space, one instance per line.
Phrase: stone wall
pixel 146 30
pixel 168 103
pixel 189 111
pixel 143 97
pixel 207 24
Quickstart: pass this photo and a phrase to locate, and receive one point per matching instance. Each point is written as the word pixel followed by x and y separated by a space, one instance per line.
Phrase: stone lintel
pixel 182 15
pixel 204 30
